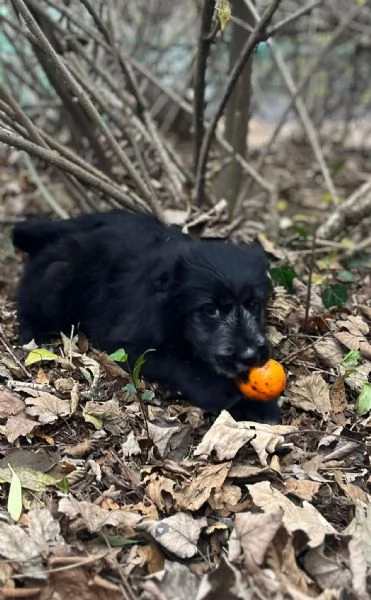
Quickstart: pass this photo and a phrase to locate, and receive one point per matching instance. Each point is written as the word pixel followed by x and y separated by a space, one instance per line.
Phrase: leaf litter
pixel 183 505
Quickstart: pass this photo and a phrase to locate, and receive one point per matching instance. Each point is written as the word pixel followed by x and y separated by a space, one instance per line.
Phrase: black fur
pixel 130 282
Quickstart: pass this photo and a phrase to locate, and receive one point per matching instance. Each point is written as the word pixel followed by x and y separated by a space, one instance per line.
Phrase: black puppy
pixel 128 281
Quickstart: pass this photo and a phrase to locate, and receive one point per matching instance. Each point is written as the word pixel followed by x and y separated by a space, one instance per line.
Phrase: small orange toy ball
pixel 264 383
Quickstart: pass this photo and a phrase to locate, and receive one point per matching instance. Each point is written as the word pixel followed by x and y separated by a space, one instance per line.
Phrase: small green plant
pixel 132 387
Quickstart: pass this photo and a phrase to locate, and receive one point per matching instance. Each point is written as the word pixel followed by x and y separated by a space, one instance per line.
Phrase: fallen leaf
pixel 338 398
pixel 194 494
pixel 179 533
pixel 39 355
pixel 326 566
pixel 329 352
pixel 253 533
pixel 311 393
pixel 295 518
pixel 360 527
pixel 130 446
pixel 176 581
pixel 10 404
pixel 19 426
pixel 94 518
pixel 168 437
pixel 302 488
pixel 46 407
pixel 227 436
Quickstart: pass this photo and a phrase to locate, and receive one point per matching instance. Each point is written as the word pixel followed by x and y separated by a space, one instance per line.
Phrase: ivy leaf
pixel 352 358
pixel 284 276
pixel 345 276
pixel 335 295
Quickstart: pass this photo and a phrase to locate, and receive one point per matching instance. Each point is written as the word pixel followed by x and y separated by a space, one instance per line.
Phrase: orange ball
pixel 264 383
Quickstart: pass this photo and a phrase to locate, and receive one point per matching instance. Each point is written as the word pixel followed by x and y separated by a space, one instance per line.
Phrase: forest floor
pixel 106 496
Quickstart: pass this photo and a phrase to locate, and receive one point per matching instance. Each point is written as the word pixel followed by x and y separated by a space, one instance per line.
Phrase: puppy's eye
pixel 251 305
pixel 210 311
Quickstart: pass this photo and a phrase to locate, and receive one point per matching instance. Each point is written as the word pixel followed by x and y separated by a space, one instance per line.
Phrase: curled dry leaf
pixel 302 488
pixel 253 534
pixel 194 494
pixel 178 534
pixel 338 397
pixel 160 490
pixel 227 436
pixel 311 393
pixel 108 414
pixel 295 518
pixel 46 407
pixel 360 527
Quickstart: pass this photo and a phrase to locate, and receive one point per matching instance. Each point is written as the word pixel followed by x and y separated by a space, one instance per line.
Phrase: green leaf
pixel 118 356
pixel 352 358
pixel 138 366
pixel 335 295
pixel 39 355
pixel 364 399
pixel 284 276
pixel 345 276
pixel 93 420
pixel 129 388
pixel 64 485
pixel 14 504
pixel 304 233
pixel 148 395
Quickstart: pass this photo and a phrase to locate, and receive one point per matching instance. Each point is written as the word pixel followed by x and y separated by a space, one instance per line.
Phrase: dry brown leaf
pixel 358 567
pixel 253 533
pixel 161 490
pixel 227 436
pixel 329 352
pixel 94 518
pixel 168 438
pixel 327 566
pixel 295 518
pixel 46 407
pixel 19 426
pixel 80 450
pixel 354 336
pixel 311 393
pixel 42 377
pixel 197 492
pixel 282 559
pixel 301 291
pixel 178 534
pixel 360 527
pixel 176 581
pixel 352 491
pixel 226 497
pixel 10 404
pixel 338 398
pixel 109 413
pixel 302 488
pixel 225 582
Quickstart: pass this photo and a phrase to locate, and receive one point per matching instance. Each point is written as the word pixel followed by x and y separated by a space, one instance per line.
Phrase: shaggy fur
pixel 130 282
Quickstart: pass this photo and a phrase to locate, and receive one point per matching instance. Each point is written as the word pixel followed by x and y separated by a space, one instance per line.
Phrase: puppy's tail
pixel 33 235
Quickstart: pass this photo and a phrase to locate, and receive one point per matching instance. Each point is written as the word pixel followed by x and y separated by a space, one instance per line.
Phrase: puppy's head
pixel 222 291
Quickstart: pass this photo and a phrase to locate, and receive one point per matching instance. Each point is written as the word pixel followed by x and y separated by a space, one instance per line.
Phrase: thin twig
pixel 53 158
pixel 199 191
pixel 204 44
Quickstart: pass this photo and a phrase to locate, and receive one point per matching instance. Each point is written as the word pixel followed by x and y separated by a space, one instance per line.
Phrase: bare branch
pixel 199 191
